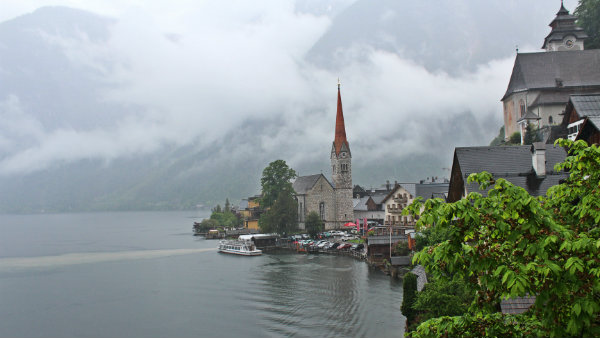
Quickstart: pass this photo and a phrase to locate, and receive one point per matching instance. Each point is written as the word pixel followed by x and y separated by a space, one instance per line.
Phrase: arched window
pixel 550 119
pixel 322 210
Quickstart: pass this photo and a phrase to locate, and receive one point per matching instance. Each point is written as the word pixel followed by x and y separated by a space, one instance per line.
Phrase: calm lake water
pixel 145 275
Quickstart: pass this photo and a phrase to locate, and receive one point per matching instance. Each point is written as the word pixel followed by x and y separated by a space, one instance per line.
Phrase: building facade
pixel 541 83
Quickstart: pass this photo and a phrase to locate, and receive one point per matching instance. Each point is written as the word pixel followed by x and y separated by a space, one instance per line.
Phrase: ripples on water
pixel 177 285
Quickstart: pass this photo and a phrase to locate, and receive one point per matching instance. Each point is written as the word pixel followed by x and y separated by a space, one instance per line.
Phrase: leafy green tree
pixel 588 18
pixel 510 244
pixel 276 177
pixel 443 297
pixel 314 224
pixel 282 217
pixel 227 205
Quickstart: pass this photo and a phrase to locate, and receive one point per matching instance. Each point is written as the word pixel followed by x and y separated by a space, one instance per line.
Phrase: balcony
pixel 394 210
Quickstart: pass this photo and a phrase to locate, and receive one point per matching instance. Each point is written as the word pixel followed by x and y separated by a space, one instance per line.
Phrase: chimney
pixel 538 158
pixel 387 185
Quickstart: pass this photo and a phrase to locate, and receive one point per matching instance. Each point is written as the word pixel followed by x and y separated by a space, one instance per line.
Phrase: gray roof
pixel 529 116
pixel 595 120
pixel 360 204
pixel 551 97
pixel 303 184
pixel 516 305
pixel 379 196
pixel 432 190
pixel 512 163
pixel 586 105
pixel 542 70
pixel 243 204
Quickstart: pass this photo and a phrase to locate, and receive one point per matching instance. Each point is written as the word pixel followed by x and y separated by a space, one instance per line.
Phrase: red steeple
pixel 340 129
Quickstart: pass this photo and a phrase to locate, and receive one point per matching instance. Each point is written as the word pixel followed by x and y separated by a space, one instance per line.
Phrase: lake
pixel 143 274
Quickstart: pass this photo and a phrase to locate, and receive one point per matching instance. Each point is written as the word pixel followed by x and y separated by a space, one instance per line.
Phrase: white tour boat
pixel 244 248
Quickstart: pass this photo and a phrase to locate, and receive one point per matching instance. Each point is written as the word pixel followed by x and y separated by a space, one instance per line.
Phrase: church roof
pixel 529 116
pixel 548 70
pixel 340 129
pixel 303 184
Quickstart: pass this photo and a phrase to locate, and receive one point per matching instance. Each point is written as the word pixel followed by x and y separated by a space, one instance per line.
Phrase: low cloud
pixel 219 68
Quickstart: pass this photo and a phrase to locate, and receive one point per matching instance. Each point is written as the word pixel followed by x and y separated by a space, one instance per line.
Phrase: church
pixel 331 200
pixel 541 83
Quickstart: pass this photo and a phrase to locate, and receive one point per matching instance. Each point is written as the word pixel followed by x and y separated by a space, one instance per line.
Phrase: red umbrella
pixel 349 224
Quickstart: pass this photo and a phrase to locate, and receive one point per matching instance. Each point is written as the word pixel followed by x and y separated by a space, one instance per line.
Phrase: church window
pixel 550 119
pixel 333 169
pixel 344 167
pixel 322 210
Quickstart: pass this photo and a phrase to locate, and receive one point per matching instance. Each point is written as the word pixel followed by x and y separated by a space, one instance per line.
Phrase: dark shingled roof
pixel 586 105
pixel 516 305
pixel 513 163
pixel 432 190
pixel 541 70
pixel 303 184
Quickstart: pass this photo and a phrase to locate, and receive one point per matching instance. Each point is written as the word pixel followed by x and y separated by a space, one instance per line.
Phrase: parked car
pixel 344 246
pixel 335 245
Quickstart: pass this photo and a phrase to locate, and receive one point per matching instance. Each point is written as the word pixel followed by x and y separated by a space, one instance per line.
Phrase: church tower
pixel 565 34
pixel 341 166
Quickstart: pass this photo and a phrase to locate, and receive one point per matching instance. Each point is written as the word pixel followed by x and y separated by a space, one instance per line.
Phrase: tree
pixel 227 205
pixel 498 140
pixel 510 244
pixel 314 224
pixel 282 217
pixel 276 177
pixel 588 18
pixel 531 134
pixel 515 138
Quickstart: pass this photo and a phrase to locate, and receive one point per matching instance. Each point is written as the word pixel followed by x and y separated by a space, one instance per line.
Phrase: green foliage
pixel 276 177
pixel 588 18
pixel 205 225
pixel 430 236
pixel 515 138
pixel 282 217
pixel 409 286
pixel 314 224
pixel 511 244
pixel 443 297
pixel 225 219
pixel 498 140
pixel 401 248
pixel 531 134
pixel 475 326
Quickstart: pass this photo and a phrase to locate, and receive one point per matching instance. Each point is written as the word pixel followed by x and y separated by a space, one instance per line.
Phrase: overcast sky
pixel 201 69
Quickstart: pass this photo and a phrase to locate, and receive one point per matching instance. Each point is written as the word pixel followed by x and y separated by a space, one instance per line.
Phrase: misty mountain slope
pixel 127 113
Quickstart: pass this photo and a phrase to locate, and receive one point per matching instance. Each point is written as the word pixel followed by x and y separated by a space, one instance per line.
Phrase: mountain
pixel 89 124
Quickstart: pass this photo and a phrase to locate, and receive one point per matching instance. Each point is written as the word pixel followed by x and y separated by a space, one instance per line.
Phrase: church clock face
pixel 343 154
pixel 569 43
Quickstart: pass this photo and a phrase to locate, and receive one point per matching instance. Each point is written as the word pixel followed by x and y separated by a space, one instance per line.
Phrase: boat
pixel 243 248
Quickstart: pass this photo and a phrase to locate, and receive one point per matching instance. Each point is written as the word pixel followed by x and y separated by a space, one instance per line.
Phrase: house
pixel 250 210
pixel 541 83
pixel 582 118
pixel 530 167
pixel 404 194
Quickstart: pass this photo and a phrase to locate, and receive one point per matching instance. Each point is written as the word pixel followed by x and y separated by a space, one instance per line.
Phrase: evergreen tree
pixel 588 18
pixel 531 134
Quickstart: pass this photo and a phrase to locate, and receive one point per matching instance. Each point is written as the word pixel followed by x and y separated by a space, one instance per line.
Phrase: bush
pixel 409 297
